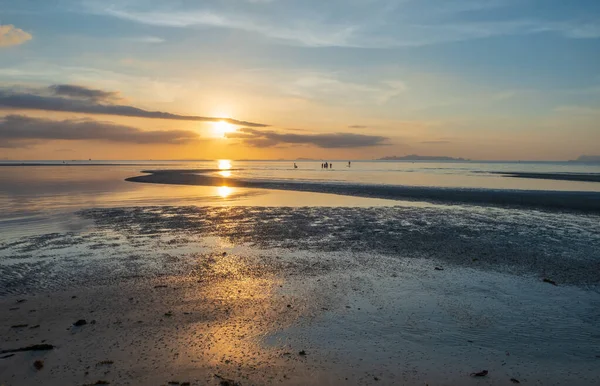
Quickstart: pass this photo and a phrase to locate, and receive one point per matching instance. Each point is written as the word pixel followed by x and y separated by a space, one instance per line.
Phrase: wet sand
pixel 588 177
pixel 557 200
pixel 387 296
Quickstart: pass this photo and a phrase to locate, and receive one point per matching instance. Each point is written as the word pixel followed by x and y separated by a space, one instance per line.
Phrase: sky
pixel 273 79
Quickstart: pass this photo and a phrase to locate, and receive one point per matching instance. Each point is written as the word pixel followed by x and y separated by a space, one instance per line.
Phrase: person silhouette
pixel 295 166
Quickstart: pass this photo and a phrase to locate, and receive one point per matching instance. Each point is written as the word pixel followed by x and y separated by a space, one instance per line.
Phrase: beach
pixel 251 286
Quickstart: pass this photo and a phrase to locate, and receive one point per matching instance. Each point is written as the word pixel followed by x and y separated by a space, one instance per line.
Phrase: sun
pixel 221 128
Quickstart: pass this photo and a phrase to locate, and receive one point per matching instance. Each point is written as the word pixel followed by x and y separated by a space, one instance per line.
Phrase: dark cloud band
pixel 20 131
pixel 269 138
pixel 78 99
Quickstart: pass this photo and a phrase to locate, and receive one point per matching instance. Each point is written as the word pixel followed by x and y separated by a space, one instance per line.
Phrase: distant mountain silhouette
pixel 414 157
pixel 587 158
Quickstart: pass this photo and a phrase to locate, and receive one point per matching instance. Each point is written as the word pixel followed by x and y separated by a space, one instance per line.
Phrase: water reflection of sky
pixel 28 190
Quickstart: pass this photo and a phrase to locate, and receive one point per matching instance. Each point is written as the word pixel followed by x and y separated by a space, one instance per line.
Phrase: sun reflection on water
pixel 225 173
pixel 224 191
pixel 224 164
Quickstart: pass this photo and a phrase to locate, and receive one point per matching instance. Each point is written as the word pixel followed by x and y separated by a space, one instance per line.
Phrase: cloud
pixel 78 99
pixel 82 92
pixel 12 36
pixel 22 131
pixel 358 127
pixel 270 138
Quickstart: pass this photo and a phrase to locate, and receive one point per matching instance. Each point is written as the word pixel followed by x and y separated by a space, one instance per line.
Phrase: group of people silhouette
pixel 325 165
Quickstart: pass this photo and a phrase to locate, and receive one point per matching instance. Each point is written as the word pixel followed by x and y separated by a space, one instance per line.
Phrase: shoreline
pixel 556 200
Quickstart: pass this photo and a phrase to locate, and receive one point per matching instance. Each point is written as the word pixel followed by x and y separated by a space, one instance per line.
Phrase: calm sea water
pixel 43 187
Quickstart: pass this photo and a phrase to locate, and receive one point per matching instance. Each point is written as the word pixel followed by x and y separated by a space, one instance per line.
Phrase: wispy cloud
pixel 12 36
pixel 270 138
pixel 79 99
pixel 23 131
pixel 371 24
pixel 146 39
pixel 435 142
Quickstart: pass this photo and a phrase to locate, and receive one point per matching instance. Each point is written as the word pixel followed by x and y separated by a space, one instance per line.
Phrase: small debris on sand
pixel 226 382
pixel 514 380
pixel 224 253
pixel 13 309
pixel 546 280
pixel 21 300
pixel 160 286
pixel 104 363
pixel 170 313
pixel 73 297
pixel 19 326
pixel 35 347
pixel 375 378
pixel 97 383
pixel 36 326
pixel 439 268
pixel 38 365
pixel 480 374
pixel 80 322
pixel 302 353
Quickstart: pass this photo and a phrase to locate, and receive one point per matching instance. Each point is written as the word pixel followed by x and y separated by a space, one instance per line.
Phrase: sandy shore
pixel 389 296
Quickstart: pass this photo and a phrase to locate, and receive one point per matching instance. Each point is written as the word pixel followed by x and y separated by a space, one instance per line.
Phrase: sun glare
pixel 224 191
pixel 225 173
pixel 224 164
pixel 221 128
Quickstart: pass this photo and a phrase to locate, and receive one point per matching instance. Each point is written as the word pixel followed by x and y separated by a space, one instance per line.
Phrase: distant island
pixel 414 157
pixel 587 158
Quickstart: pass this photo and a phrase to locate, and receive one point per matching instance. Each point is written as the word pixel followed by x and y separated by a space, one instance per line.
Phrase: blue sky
pixel 502 79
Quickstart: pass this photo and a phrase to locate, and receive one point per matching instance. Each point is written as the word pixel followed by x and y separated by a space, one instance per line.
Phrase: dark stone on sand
pixel 302 353
pixel 38 365
pixel 546 280
pixel 289 306
pixel 514 380
pixel 107 362
pixel 80 322
pixel 160 286
pixel 185 384
pixel 375 378
pixel 73 297
pixel 439 268
pixel 224 253
pixel 19 326
pixel 480 374
pixel 13 309
pixel 170 313
pixel 93 321
pixel 226 382
pixel 21 300
pixel 35 347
